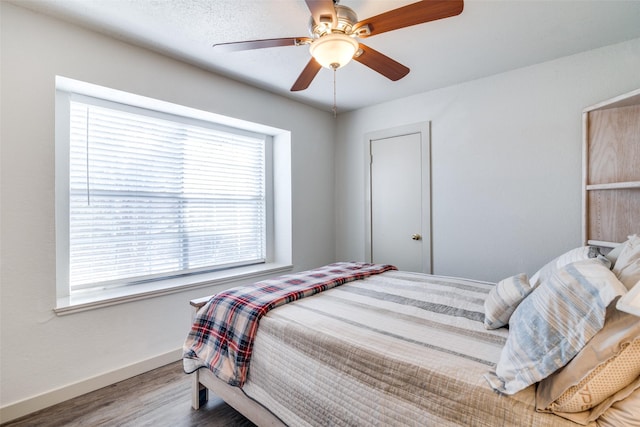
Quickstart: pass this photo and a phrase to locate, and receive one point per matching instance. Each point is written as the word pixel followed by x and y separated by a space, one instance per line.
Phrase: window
pixel 145 196
pixel 154 197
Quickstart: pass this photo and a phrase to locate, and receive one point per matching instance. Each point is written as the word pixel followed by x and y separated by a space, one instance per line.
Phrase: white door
pixel 399 202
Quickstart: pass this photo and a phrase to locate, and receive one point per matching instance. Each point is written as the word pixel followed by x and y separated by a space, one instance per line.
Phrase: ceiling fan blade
pixel 323 11
pixel 307 76
pixel 412 14
pixel 260 44
pixel 381 63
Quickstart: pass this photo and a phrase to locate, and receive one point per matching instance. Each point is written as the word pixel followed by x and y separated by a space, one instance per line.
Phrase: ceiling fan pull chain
pixel 335 108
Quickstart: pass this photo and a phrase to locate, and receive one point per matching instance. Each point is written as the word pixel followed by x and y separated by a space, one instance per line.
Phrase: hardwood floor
pixel 161 397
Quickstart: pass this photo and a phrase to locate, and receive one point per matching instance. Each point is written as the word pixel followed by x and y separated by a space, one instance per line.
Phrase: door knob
pixel 416 237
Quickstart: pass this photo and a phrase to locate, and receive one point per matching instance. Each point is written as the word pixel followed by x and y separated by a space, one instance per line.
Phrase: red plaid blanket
pixel 222 334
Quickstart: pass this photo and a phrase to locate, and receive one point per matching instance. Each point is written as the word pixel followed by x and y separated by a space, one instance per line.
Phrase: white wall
pixel 506 184
pixel 41 352
pixel 506 162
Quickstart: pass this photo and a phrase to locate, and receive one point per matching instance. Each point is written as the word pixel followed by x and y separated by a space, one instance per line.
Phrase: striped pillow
pixel 574 255
pixel 553 324
pixel 503 299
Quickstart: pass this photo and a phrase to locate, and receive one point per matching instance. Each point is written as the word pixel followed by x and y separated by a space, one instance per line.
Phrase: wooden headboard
pixel 611 170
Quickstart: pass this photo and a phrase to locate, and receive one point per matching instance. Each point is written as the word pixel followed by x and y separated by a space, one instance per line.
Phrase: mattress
pixel 396 348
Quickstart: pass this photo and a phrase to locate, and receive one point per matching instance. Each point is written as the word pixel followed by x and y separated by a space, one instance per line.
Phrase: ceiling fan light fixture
pixel 333 50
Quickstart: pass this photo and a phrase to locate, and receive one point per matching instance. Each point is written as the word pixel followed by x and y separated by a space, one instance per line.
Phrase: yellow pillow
pixel 602 382
pixel 604 371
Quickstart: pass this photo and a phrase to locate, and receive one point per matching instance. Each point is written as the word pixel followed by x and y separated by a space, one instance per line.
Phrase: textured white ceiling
pixel 489 37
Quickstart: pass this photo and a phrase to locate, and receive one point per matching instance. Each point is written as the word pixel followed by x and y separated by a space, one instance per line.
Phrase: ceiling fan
pixel 334 31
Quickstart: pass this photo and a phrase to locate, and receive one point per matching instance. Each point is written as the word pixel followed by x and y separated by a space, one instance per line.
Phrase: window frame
pixel 277 155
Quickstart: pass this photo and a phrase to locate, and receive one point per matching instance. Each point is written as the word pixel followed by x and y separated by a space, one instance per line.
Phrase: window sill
pixel 107 297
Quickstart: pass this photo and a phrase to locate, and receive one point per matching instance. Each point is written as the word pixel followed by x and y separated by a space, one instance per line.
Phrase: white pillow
pixel 614 253
pixel 627 266
pixel 553 324
pixel 503 299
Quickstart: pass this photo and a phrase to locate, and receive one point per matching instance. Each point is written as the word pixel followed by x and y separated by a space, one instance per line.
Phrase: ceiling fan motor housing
pixel 347 18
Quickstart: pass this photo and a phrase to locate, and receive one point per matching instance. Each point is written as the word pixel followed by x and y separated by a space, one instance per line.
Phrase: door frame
pixel 424 129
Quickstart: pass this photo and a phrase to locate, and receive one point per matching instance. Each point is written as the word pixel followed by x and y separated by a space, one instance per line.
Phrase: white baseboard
pixel 44 400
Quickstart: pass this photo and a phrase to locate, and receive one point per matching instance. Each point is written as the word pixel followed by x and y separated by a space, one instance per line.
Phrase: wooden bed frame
pixel 611 211
pixel 611 170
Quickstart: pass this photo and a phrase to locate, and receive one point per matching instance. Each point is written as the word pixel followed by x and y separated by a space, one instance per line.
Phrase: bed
pixel 395 348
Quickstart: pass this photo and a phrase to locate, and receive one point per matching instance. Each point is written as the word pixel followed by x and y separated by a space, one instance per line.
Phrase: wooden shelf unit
pixel 611 170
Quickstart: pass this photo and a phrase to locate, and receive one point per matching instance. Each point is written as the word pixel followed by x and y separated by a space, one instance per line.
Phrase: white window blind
pixel 154 196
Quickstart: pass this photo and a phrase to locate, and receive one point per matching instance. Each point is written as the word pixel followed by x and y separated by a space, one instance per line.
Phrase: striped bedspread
pixel 223 331
pixel 394 349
